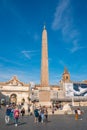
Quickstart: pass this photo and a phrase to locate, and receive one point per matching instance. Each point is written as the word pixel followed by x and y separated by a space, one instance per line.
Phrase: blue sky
pixel 21 25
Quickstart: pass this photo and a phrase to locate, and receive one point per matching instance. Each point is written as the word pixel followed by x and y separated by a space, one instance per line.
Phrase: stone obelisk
pixel 44 60
pixel 44 93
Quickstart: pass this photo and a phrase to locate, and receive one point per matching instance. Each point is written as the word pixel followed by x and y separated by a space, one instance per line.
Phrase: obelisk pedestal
pixel 44 96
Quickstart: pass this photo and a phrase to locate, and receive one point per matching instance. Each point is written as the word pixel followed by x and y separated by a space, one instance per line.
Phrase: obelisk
pixel 44 93
pixel 44 60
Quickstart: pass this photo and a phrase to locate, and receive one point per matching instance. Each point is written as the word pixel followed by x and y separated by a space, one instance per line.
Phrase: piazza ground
pixel 56 122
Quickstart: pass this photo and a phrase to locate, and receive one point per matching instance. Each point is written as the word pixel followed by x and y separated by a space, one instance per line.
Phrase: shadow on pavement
pixel 23 123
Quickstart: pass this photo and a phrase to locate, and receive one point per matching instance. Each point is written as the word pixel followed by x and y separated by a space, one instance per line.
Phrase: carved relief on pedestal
pixel 44 96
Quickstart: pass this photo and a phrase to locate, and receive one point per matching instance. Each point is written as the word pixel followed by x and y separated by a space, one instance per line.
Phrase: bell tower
pixel 66 76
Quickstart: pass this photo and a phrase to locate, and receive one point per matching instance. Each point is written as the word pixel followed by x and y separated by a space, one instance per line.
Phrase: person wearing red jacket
pixel 16 115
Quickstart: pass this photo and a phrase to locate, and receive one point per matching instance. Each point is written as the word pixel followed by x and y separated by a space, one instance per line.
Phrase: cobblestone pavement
pixel 56 122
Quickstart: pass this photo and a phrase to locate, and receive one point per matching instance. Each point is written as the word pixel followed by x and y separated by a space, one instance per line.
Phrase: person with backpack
pixel 36 114
pixel 16 115
pixel 7 115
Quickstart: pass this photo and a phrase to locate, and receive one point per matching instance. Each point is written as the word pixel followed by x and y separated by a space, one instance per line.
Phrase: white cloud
pixel 76 47
pixel 26 54
pixel 29 54
pixel 74 34
pixel 58 15
pixel 64 21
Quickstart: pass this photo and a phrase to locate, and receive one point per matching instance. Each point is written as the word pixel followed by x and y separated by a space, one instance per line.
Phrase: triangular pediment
pixel 14 82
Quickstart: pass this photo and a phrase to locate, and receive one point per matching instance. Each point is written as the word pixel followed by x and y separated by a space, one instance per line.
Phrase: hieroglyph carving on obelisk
pixel 44 60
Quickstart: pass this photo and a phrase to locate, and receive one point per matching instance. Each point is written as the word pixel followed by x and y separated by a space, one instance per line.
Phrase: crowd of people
pixel 14 112
pixel 40 113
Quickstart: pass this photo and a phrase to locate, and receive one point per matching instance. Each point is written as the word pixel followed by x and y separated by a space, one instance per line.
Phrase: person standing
pixel 46 114
pixel 53 110
pixel 36 114
pixel 28 110
pixel 76 115
pixel 42 114
pixel 79 114
pixel 16 115
pixel 23 112
pixel 7 115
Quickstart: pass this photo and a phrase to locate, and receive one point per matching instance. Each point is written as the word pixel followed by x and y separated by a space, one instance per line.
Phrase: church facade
pixel 14 91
